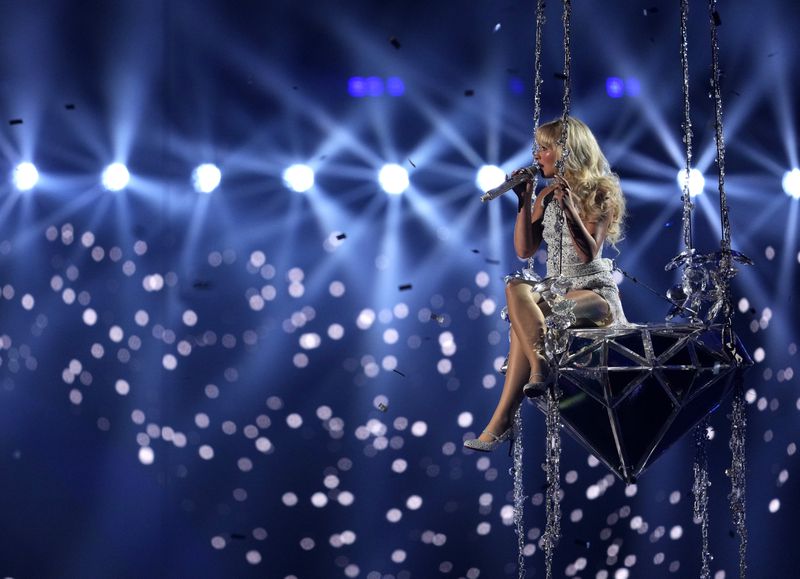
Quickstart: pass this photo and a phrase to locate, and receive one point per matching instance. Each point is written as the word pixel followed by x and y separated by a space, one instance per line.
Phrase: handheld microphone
pixel 526 174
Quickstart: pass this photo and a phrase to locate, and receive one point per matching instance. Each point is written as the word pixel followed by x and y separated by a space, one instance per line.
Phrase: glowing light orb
pixel 489 177
pixel 206 178
pixel 615 87
pixel 299 178
pixel 25 176
pixel 696 181
pixel 116 177
pixel 393 178
pixel 791 183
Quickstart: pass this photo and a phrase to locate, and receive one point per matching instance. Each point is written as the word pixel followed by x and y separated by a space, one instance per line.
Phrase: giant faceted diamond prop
pixel 628 394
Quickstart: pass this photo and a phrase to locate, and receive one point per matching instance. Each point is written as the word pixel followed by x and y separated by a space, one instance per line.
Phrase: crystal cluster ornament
pixel 524 274
pixel 703 294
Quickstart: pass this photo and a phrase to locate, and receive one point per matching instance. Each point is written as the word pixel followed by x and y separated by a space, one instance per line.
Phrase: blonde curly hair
pixel 595 187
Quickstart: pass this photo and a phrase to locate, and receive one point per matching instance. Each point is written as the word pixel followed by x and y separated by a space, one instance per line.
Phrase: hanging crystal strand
pixel 700 491
pixel 519 493
pixel 552 531
pixel 726 270
pixel 717 92
pixel 737 474
pixel 687 127
pixel 537 93
pixel 565 102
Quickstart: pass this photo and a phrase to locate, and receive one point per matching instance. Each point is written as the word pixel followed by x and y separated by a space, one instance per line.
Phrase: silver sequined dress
pixel 595 275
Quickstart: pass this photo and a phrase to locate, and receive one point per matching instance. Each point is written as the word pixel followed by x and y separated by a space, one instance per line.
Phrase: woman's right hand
pixel 524 188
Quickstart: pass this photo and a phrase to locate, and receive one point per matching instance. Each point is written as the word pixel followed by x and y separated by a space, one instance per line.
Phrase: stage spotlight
pixel 791 183
pixel 393 178
pixel 299 178
pixel 633 88
pixel 206 178
pixel 615 88
pixel 357 87
pixel 116 177
pixel 25 176
pixel 489 177
pixel 374 86
pixel 696 181
pixel 395 86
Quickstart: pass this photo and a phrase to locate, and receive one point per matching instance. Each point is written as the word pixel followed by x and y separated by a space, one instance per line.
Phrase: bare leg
pixel 527 321
pixel 527 317
pixel 591 310
pixel 511 397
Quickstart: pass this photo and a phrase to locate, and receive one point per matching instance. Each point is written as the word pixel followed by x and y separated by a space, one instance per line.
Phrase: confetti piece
pixel 560 75
pixel 493 261
pixel 201 284
pixel 396 371
pixel 771 54
pixel 395 42
pixel 15 122
pixel 717 19
pixel 69 107
pixel 404 287
pixel 341 236
pixel 382 407
pixel 652 10
pixel 412 163
pixel 469 92
pixel 583 543
pixel 476 251
pixel 238 536
pixel 437 317
pixel 497 27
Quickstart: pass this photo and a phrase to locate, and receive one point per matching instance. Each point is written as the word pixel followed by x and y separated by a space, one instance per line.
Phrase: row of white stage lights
pixel 393 178
pixel 116 177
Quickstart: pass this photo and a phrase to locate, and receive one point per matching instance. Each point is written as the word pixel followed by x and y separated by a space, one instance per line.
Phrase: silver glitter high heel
pixel 480 445
pixel 538 382
pixel 536 388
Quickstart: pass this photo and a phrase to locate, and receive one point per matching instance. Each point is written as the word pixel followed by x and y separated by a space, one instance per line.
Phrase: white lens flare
pixel 791 183
pixel 393 178
pixel 696 181
pixel 489 177
pixel 299 178
pixel 116 177
pixel 206 178
pixel 25 176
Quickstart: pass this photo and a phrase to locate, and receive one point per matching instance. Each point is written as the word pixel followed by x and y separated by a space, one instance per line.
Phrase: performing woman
pixel 594 209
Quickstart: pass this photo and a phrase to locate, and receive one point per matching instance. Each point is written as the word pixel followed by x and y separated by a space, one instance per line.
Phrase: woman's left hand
pixel 563 194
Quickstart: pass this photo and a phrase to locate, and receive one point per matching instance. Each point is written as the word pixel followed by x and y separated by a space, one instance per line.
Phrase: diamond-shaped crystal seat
pixel 628 394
